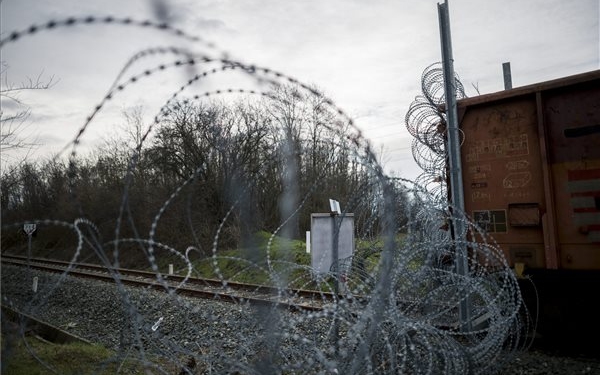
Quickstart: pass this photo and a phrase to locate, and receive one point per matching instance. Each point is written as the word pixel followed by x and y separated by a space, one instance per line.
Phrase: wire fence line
pixel 410 322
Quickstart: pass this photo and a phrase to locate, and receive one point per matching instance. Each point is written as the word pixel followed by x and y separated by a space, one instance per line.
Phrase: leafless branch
pixel 13 124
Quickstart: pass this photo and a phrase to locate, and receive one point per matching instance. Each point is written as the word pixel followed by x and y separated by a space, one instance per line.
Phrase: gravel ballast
pixel 228 334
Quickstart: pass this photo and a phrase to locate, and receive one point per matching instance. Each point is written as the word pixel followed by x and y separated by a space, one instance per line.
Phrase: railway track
pixel 295 299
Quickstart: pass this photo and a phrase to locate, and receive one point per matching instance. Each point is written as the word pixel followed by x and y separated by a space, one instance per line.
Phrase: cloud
pixel 367 56
pixel 210 24
pixel 11 105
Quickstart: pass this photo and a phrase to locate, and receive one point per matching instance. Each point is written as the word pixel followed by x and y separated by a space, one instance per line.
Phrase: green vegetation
pixel 250 264
pixel 288 259
pixel 20 357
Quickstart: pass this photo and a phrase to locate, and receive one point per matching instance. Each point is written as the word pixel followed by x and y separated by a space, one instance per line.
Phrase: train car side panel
pixel 501 165
pixel 572 119
pixel 531 171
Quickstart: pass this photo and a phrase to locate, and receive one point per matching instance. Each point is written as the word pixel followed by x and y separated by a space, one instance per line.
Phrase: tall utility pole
pixel 453 147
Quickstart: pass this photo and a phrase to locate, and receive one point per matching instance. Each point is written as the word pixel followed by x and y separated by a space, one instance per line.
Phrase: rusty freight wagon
pixel 531 175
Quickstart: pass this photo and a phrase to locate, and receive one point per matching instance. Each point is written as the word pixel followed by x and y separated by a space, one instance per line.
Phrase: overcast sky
pixel 367 56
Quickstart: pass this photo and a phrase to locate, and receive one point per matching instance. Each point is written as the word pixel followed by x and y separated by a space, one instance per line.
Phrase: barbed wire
pixel 410 322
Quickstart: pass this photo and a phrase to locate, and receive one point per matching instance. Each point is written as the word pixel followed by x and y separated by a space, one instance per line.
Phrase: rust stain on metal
pixel 534 152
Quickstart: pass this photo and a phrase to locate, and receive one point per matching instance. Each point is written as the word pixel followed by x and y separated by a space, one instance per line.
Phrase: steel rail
pixel 194 287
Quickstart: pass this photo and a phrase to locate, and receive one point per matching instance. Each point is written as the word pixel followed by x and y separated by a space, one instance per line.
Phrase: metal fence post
pixel 456 184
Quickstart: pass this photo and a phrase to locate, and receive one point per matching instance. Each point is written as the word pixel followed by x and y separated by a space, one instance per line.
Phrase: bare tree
pixel 14 113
